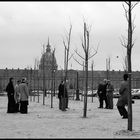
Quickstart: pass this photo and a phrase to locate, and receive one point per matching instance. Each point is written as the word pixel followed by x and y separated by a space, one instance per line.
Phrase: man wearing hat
pixel 109 94
pixel 102 93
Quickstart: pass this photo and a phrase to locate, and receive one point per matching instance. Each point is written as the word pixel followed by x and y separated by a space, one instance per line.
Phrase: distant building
pixel 48 64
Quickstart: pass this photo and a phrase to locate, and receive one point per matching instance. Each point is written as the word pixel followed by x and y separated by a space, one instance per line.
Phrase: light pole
pixel 92 80
pixel 77 88
pixel 54 82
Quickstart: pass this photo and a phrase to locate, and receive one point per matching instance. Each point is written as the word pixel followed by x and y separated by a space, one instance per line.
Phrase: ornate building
pixel 47 67
pixel 48 60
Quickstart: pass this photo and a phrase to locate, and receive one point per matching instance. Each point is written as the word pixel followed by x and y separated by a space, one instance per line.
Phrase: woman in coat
pixel 60 93
pixel 10 93
pixel 123 99
pixel 24 95
pixel 17 96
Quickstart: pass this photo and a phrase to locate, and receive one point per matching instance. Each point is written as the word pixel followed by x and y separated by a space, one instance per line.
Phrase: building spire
pixel 48 49
pixel 48 42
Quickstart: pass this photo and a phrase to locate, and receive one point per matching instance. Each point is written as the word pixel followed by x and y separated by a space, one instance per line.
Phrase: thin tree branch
pixel 133 42
pixel 123 42
pixel 133 25
pixel 127 2
pixel 95 52
pixel 126 12
pixel 65 45
pixel 132 7
pixel 78 62
pixel 83 47
pixel 92 55
pixel 70 56
pixel 79 55
pixel 87 41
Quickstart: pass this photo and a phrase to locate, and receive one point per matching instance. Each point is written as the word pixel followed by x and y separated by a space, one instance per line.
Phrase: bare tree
pixel 52 82
pixel 34 79
pixel 92 79
pixel 44 78
pixel 107 68
pixel 37 66
pixel 66 60
pixel 77 86
pixel 86 48
pixel 128 43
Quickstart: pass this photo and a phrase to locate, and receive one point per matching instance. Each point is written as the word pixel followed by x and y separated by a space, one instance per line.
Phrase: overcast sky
pixel 26 26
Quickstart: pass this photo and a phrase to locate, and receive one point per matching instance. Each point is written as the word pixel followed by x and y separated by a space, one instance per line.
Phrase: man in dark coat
pixel 10 93
pixel 63 96
pixel 102 94
pixel 123 99
pixel 60 93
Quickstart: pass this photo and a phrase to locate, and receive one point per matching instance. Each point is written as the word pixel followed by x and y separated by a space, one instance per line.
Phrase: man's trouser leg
pixel 101 102
pixel 63 104
pixel 122 111
pixel 60 103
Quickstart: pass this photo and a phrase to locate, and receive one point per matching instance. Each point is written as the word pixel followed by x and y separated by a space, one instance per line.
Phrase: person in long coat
pixel 109 94
pixel 123 99
pixel 17 97
pixel 10 93
pixel 63 96
pixel 60 93
pixel 24 95
pixel 102 94
pixel 99 93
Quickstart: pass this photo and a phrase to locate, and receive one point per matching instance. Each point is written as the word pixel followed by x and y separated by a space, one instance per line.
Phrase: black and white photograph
pixel 69 69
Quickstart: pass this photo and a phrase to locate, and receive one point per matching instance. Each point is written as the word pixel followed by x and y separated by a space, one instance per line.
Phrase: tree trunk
pixel 129 47
pixel 92 82
pixel 86 86
pixel 77 89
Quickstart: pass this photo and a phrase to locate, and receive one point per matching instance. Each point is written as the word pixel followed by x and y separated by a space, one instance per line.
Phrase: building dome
pixel 49 61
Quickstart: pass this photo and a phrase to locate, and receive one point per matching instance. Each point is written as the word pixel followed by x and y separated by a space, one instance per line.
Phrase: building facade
pixel 48 72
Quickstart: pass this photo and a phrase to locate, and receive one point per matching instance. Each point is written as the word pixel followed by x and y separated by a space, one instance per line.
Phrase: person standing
pixel 63 96
pixel 24 95
pixel 102 94
pixel 66 95
pixel 17 97
pixel 60 93
pixel 99 93
pixel 123 99
pixel 10 93
pixel 109 94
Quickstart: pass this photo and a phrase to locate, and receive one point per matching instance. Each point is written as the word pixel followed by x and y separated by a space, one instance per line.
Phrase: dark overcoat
pixel 102 90
pixel 11 100
pixel 123 91
pixel 62 91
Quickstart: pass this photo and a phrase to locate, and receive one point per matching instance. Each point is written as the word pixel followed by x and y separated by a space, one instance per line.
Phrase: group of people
pixel 105 93
pixel 17 96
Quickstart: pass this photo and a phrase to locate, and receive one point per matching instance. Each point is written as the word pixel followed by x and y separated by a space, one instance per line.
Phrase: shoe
pixel 107 107
pixel 124 117
pixel 100 107
pixel 133 101
pixel 64 110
